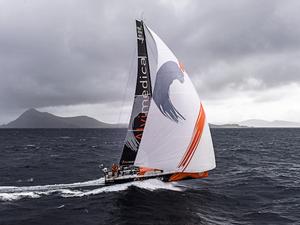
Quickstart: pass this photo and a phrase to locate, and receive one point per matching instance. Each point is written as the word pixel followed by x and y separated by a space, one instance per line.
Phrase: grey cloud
pixel 258 74
pixel 55 53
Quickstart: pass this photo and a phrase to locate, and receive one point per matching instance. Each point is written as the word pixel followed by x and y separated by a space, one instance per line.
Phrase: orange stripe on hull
pixel 186 176
pixel 197 133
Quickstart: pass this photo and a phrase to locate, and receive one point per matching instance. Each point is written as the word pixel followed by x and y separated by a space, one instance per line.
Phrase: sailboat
pixel 168 137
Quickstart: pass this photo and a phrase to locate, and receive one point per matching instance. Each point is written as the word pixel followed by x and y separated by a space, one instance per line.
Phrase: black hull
pixel 163 177
pixel 167 177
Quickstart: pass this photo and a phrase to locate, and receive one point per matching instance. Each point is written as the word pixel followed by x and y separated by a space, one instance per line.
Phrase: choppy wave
pixel 11 193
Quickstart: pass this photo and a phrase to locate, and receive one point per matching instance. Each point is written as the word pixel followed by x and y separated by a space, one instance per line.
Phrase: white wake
pixel 11 193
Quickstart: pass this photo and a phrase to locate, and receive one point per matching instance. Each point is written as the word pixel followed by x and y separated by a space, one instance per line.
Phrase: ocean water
pixel 52 176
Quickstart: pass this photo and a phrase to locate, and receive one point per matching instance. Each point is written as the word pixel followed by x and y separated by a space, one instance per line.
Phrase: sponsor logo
pixel 167 73
pixel 144 83
pixel 140 33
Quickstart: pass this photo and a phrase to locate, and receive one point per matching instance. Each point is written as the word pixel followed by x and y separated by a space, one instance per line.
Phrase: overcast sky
pixel 74 57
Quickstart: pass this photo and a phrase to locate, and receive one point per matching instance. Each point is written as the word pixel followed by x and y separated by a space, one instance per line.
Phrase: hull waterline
pixel 167 177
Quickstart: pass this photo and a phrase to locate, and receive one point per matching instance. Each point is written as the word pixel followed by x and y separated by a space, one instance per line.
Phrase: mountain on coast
pixel 33 118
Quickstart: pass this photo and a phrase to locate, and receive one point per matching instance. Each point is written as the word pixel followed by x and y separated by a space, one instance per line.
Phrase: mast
pixel 142 98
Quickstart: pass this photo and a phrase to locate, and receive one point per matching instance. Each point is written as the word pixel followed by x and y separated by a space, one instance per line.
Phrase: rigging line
pixel 150 45
pixel 152 53
pixel 127 84
pixel 152 50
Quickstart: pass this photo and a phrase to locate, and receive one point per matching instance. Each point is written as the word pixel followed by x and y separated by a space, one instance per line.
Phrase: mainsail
pixel 176 136
pixel 142 98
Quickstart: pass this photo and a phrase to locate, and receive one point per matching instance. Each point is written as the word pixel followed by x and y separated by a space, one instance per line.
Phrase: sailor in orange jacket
pixel 114 169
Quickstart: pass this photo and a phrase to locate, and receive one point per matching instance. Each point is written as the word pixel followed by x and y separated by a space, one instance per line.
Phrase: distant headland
pixel 33 118
pixel 256 123
pixel 229 125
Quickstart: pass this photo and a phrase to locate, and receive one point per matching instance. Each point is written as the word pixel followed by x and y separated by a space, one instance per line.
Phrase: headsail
pixel 142 98
pixel 176 136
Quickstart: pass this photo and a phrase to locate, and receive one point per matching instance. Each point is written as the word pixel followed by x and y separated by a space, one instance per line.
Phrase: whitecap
pixel 30 145
pixel 17 196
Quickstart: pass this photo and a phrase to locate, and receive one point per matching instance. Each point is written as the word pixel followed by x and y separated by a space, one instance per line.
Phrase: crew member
pixel 114 169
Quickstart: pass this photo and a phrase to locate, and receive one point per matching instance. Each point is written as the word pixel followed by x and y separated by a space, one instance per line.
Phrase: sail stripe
pixel 193 139
pixel 196 141
pixel 192 154
pixel 199 134
pixel 198 129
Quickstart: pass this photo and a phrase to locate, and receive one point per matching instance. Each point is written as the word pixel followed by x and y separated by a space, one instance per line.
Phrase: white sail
pixel 176 136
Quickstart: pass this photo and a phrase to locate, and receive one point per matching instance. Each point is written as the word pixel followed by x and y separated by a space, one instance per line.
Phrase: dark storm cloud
pixel 230 44
pixel 55 53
